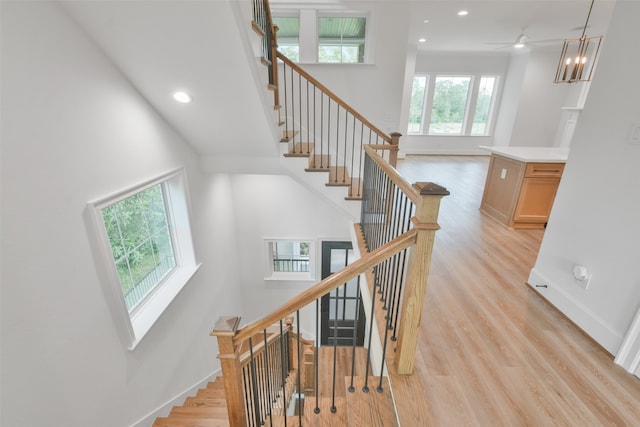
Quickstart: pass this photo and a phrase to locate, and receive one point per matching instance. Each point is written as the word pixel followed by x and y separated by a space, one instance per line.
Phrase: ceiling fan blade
pixel 544 41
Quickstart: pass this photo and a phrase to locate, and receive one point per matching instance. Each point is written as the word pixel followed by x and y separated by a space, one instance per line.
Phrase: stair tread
pixel 339 176
pixel 319 163
pixel 205 401
pixel 210 393
pixel 355 189
pixel 183 422
pixel 287 135
pixel 370 408
pixel 300 149
pixel 203 411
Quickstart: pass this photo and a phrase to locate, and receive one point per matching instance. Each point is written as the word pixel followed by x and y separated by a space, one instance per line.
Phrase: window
pixel 144 249
pixel 322 36
pixel 341 39
pixel 457 104
pixel 288 36
pixel 140 240
pixel 417 103
pixel 290 259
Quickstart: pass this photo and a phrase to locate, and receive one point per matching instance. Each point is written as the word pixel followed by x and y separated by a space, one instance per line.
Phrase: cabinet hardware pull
pixel 547 170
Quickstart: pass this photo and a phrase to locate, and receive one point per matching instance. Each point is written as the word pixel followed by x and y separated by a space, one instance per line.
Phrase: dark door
pixel 342 313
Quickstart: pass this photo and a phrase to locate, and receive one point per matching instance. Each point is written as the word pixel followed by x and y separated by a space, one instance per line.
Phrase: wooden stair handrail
pixel 327 285
pixel 333 96
pixel 393 174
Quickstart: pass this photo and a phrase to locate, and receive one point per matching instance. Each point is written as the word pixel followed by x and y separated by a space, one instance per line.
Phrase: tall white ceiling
pixel 166 45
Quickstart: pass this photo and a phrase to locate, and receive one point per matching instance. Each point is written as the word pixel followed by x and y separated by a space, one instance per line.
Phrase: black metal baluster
pixel 335 354
pixel 322 131
pixel 337 141
pixel 351 388
pixel 316 410
pixel 286 102
pixel 267 375
pixel 254 385
pixel 285 372
pixel 308 125
pixel 365 388
pixel 344 159
pixel 247 396
pixel 299 401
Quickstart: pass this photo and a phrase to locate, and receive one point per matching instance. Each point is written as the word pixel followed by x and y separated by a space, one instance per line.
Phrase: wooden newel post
pixel 228 353
pixel 293 347
pixel 393 154
pixel 274 65
pixel 425 223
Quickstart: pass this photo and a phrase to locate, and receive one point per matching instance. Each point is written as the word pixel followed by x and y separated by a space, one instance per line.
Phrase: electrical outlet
pixel 503 173
pixel 634 134
pixel 584 284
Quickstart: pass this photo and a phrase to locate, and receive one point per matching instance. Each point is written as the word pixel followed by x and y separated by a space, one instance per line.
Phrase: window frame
pixel 135 325
pixel 308 32
pixel 343 15
pixel 271 274
pixel 470 106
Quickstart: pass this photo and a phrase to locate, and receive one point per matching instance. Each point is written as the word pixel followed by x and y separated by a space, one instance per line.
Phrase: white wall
pixel 290 212
pixel 374 90
pixel 540 103
pixel 511 92
pixel 73 129
pixel 595 219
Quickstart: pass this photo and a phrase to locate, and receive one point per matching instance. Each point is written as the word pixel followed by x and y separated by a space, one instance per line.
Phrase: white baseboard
pixel 584 318
pixel 163 410
pixel 629 352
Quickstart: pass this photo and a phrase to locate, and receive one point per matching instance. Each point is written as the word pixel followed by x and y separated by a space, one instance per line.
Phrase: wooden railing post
pixel 425 223
pixel 228 353
pixel 393 154
pixel 274 64
pixel 293 346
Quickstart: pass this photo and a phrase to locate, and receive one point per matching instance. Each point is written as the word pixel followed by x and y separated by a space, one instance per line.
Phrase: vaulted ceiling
pixel 167 45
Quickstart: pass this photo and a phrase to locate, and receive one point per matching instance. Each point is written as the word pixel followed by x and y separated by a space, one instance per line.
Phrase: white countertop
pixel 531 154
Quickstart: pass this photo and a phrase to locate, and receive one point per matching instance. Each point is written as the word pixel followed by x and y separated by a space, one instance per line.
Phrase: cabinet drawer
pixel 544 170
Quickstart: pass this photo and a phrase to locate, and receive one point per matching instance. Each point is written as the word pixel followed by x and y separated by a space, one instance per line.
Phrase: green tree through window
pixel 449 104
pixel 140 239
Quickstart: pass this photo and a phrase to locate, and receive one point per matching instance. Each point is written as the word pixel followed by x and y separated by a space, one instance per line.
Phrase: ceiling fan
pixel 521 41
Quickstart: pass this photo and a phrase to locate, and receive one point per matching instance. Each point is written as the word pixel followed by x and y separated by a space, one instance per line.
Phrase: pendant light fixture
pixel 578 57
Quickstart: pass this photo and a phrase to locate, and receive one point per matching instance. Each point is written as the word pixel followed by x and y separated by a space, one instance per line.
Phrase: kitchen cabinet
pixel 520 189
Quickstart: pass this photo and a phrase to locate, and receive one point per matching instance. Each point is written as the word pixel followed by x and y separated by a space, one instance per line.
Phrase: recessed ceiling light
pixel 426 21
pixel 463 13
pixel 181 96
pixel 422 40
pixel 518 45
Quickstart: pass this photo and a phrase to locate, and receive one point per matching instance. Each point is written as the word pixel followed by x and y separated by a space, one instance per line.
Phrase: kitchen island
pixel 521 184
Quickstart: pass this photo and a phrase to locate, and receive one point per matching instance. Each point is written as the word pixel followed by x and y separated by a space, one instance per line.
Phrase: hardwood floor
pixel 492 352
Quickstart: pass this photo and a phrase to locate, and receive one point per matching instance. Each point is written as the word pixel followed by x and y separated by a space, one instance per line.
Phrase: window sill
pixel 287 277
pixel 146 315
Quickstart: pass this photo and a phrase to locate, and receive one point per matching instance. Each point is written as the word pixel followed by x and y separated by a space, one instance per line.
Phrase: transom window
pixel 288 36
pixel 443 104
pixel 321 36
pixel 341 39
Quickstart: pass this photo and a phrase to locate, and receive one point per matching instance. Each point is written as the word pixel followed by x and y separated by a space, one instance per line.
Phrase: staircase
pixel 352 406
pixel 208 408
pixel 265 363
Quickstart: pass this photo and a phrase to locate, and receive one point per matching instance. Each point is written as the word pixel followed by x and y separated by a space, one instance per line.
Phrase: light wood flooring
pixel 492 352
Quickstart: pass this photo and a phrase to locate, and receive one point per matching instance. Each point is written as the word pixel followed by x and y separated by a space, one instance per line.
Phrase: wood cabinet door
pixel 536 200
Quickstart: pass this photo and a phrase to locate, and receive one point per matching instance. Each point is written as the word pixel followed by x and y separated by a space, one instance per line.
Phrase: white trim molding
pixel 628 355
